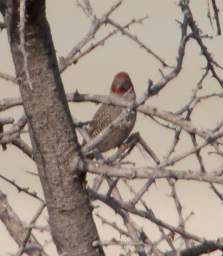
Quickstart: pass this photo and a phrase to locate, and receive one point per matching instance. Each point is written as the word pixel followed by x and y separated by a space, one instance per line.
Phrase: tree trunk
pixel 51 129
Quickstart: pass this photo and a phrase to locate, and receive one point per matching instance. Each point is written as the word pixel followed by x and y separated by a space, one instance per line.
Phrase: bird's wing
pixel 102 118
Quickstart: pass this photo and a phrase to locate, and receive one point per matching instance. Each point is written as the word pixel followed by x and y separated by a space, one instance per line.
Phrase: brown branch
pixel 115 204
pixel 147 110
pixel 203 248
pixel 21 189
pixel 8 78
pixel 113 225
pixel 49 117
pixel 23 248
pixel 23 146
pixel 216 16
pixel 102 41
pixel 211 63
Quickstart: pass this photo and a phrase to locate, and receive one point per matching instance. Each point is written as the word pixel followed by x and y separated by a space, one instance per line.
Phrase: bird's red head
pixel 121 84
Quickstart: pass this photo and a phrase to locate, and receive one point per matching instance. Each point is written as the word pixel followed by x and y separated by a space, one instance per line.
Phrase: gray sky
pixel 94 73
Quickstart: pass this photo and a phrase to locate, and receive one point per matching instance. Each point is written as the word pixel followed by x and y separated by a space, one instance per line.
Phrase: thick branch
pixel 205 247
pixel 50 125
pixel 152 173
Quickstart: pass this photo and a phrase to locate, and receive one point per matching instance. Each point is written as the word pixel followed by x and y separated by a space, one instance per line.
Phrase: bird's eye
pixel 120 89
pixel 123 89
pixel 125 86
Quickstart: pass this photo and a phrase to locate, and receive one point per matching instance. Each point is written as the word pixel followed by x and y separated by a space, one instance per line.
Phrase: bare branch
pixel 113 203
pixel 7 77
pixel 152 173
pixel 94 27
pixel 205 247
pixel 21 189
pixel 211 63
pixel 135 39
pixel 216 16
pixel 16 228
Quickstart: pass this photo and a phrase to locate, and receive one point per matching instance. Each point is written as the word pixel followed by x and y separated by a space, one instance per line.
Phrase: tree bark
pixel 51 129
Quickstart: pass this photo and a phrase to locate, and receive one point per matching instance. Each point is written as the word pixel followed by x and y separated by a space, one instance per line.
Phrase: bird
pixel 121 87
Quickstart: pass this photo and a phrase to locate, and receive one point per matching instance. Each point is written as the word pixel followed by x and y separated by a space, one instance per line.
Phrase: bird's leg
pixel 128 146
pixel 124 149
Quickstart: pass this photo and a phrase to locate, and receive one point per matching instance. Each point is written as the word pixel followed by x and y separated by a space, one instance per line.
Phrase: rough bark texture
pixel 52 132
